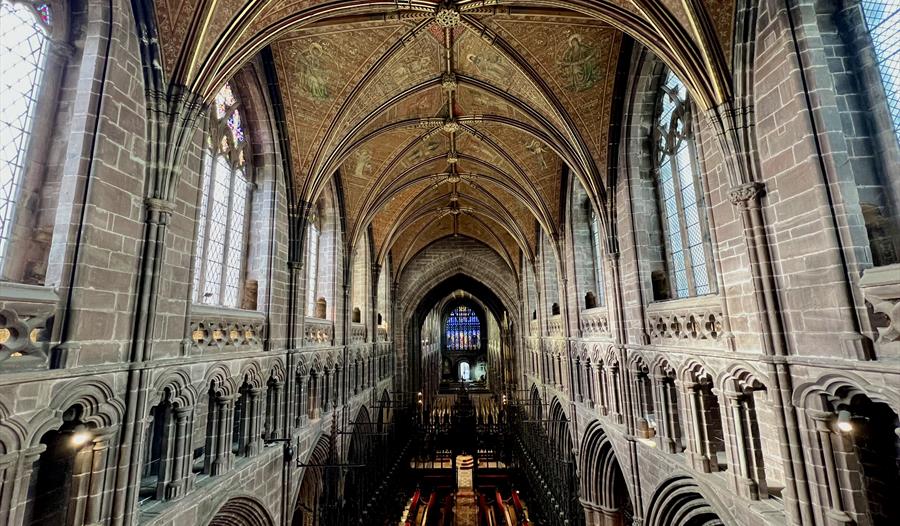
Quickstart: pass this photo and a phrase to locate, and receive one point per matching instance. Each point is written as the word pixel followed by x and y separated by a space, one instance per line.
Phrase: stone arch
pixel 679 502
pixel 95 399
pixel 242 511
pixel 251 373
pixel 12 433
pixel 852 438
pixel 602 483
pixel 311 485
pixel 842 386
pixel 218 378
pixel 178 384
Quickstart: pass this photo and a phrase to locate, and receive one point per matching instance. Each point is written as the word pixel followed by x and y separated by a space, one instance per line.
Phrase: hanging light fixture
pixel 843 421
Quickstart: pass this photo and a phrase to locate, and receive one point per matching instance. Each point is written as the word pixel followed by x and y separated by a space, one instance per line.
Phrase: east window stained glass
pixel 24 44
pixel 222 232
pixel 677 180
pixel 463 330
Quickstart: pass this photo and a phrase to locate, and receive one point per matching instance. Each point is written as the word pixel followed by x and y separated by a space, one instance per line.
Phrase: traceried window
pixel 463 330
pixel 681 205
pixel 312 266
pixel 222 232
pixel 883 20
pixel 597 253
pixel 24 44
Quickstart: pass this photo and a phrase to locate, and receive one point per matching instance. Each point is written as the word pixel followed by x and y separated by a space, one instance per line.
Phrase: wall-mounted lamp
pixel 80 437
pixel 843 421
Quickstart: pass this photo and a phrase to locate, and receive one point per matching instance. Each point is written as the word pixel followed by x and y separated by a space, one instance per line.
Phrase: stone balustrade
pixel 357 333
pixel 318 332
pixel 26 320
pixel 554 325
pixel 382 334
pixel 595 323
pixel 225 329
pixel 694 321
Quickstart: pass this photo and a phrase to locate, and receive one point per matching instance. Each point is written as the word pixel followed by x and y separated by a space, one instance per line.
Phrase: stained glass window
pixel 677 179
pixel 223 220
pixel 24 43
pixel 883 20
pixel 463 330
pixel 312 266
pixel 597 252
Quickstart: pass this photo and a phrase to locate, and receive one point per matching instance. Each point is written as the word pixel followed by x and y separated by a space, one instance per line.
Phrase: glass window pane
pixel 223 211
pixel 24 44
pixel 883 20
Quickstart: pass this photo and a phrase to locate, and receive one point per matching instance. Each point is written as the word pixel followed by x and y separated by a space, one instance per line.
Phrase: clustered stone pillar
pixel 744 478
pixel 89 479
pixel 824 421
pixel 302 404
pixel 181 476
pixel 218 442
pixel 667 435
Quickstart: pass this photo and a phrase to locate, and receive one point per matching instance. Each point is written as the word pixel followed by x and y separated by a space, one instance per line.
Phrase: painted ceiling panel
pixel 469 118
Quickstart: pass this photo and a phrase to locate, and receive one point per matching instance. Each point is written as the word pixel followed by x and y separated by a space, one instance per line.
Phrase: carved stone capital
pixel 746 195
pixel 162 206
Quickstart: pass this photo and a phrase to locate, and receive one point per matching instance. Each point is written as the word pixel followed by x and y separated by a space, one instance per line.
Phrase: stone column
pixel 20 482
pixel 252 425
pixel 99 451
pixel 279 406
pixel 181 465
pixel 220 444
pixel 616 390
pixel 7 471
pixel 823 421
pixel 326 395
pixel 665 427
pixel 743 477
pixel 301 406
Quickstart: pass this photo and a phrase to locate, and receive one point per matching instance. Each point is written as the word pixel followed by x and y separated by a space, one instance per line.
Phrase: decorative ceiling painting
pixel 446 118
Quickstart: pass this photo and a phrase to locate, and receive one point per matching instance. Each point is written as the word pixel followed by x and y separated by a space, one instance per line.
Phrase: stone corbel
pixel 881 288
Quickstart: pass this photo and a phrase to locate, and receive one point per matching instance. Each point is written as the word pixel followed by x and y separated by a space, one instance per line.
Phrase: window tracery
pixel 681 206
pixel 222 233
pixel 463 330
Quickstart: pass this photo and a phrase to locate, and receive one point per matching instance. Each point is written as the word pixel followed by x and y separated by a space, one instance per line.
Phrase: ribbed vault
pixel 446 118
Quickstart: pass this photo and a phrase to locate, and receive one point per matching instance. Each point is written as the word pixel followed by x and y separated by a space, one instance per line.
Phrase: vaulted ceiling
pixel 444 119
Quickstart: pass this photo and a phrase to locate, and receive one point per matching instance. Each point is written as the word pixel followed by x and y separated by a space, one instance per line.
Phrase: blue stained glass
pixel 463 330
pixel 234 124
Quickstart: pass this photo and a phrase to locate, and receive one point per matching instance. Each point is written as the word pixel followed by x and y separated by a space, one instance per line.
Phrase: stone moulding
pixel 694 321
pixel 881 288
pixel 225 329
pixel 26 323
